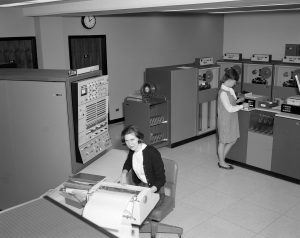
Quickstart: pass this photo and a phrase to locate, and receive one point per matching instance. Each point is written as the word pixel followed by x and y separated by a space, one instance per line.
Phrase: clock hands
pixel 88 21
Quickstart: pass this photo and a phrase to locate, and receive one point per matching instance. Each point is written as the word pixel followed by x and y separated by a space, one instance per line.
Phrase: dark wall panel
pixel 19 52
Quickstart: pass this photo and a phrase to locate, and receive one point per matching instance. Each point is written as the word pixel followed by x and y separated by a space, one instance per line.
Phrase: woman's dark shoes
pixel 225 167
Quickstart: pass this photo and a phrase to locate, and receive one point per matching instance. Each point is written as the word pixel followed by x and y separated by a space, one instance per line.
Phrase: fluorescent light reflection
pixel 265 10
pixel 228 7
pixel 27 3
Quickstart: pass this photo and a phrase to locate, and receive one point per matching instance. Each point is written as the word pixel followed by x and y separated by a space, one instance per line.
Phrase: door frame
pixel 103 57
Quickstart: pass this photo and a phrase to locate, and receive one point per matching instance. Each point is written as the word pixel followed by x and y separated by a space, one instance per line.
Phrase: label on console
pixel 261 57
pixel 291 59
pixel 232 56
pixel 206 61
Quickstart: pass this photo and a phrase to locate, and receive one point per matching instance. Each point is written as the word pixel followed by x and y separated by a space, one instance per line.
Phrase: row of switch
pixel 94 147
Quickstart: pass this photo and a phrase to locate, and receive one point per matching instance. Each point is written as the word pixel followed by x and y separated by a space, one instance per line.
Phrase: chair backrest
pixel 171 171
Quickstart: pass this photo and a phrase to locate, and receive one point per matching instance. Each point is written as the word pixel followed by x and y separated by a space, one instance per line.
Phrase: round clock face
pixel 88 22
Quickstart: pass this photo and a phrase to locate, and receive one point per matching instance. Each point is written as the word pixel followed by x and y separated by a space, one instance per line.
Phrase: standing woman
pixel 144 161
pixel 227 122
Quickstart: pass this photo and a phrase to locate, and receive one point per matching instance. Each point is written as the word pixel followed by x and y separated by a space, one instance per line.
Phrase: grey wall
pixel 12 23
pixel 263 33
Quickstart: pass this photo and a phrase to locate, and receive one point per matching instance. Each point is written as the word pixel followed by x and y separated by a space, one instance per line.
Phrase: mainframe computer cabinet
pixel 285 84
pixel 151 117
pixel 286 150
pixel 208 77
pixel 258 78
pixel 40 114
pixel 180 87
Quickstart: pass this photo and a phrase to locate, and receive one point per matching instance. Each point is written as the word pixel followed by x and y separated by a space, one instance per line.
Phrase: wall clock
pixel 88 22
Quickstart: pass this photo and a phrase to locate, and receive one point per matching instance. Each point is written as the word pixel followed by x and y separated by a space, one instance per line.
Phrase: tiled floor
pixel 216 203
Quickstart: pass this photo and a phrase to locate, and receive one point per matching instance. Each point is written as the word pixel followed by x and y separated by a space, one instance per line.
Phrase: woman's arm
pixel 123 179
pixel 126 167
pixel 240 100
pixel 230 108
pixel 159 170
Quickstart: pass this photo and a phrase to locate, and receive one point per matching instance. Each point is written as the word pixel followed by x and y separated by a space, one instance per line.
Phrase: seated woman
pixel 144 161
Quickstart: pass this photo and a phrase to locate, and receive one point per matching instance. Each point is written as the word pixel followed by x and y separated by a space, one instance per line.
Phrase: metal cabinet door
pixel 36 140
pixel 183 104
pixel 286 149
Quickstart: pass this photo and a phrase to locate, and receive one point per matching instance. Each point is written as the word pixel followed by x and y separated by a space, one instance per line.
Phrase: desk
pixel 109 165
pixel 43 217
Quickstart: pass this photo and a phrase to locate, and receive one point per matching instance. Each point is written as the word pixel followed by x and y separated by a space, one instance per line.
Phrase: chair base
pixel 154 227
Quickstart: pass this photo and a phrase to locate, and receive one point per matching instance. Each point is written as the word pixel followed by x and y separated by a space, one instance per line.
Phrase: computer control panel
pixel 90 111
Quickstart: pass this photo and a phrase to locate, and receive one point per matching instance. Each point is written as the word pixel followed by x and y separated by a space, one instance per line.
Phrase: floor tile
pixel 158 235
pixel 218 228
pixel 210 200
pixel 235 185
pixel 285 187
pixel 186 188
pixel 249 216
pixel 205 175
pixel 274 200
pixel 262 181
pixel 186 216
pixel 294 212
pixel 283 227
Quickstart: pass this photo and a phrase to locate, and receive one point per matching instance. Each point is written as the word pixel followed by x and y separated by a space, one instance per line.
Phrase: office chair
pixel 153 224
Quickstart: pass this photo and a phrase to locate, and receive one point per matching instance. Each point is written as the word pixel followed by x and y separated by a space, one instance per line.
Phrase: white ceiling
pixel 111 7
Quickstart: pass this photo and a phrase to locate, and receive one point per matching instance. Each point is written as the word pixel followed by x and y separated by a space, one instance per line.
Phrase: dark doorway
pixel 88 51
pixel 18 52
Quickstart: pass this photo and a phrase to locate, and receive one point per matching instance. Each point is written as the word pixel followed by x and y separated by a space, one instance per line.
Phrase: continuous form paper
pixel 106 208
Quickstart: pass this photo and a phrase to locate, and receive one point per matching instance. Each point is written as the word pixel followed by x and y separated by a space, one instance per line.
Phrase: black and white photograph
pixel 139 119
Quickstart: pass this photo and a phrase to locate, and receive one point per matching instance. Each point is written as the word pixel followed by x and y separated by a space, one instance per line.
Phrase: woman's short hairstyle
pixel 230 73
pixel 131 129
